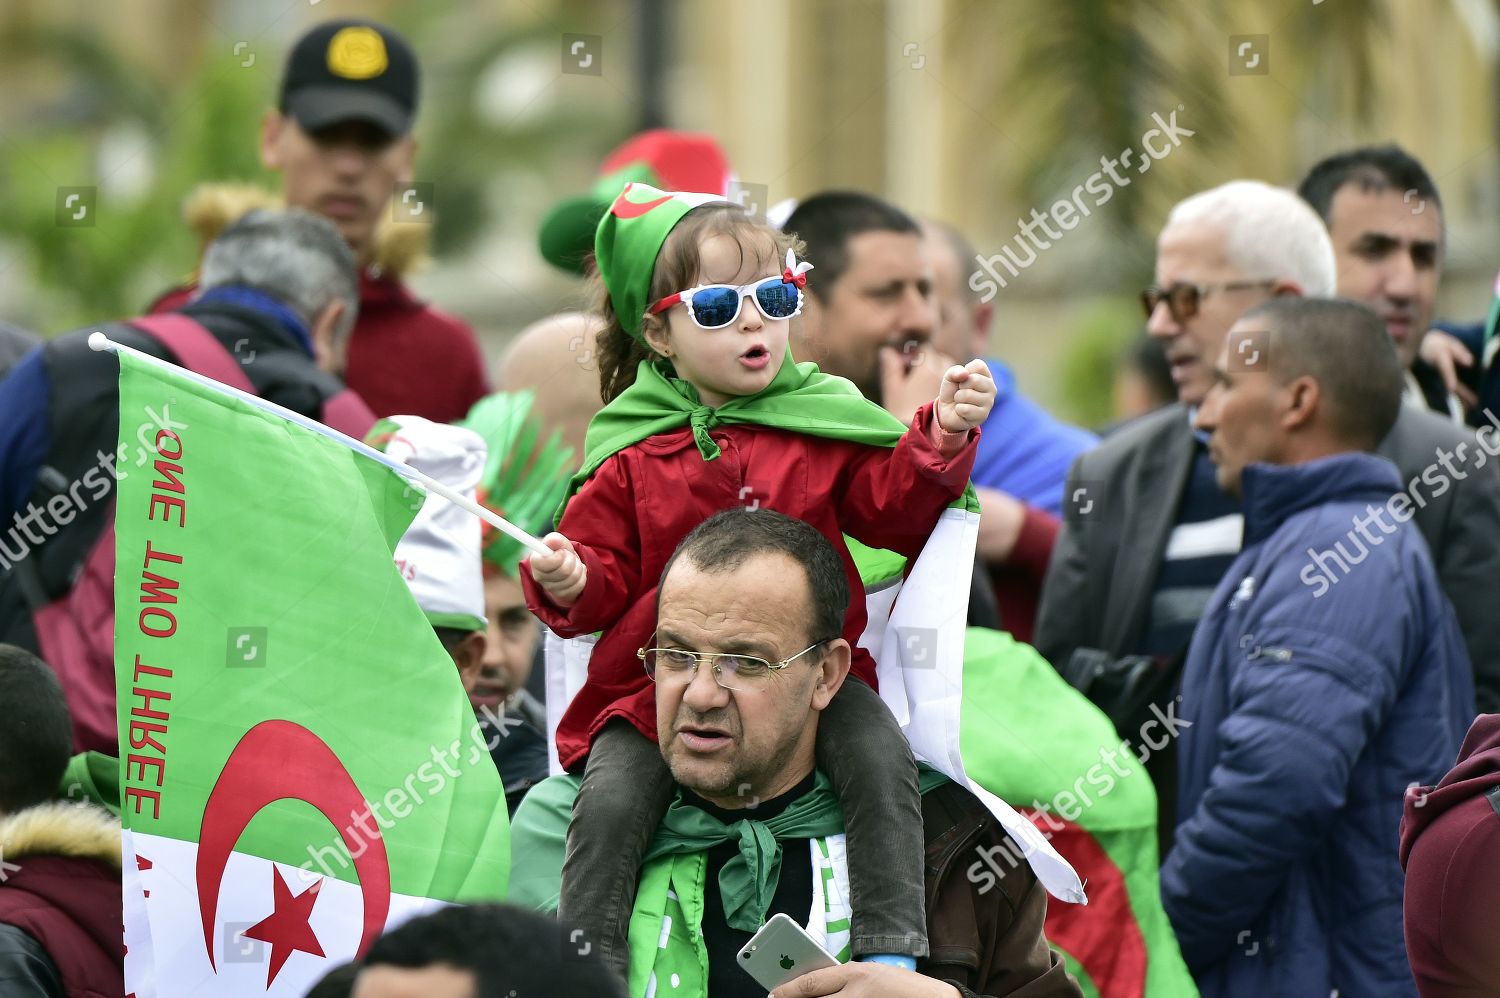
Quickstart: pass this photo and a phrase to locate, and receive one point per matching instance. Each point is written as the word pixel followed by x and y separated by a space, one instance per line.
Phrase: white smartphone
pixel 782 951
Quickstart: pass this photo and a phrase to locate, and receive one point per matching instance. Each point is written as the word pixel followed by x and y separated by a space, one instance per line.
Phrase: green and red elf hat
pixel 663 158
pixel 629 239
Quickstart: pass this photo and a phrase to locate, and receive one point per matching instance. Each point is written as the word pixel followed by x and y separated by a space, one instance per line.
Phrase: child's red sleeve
pixel 892 497
pixel 601 522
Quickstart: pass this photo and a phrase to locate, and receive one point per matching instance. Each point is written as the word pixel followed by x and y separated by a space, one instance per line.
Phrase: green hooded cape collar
pixel 800 399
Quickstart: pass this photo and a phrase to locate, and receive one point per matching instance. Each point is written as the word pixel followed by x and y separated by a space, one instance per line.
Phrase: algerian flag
pixel 301 768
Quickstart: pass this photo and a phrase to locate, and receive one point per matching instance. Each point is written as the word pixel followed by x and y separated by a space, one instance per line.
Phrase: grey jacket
pixel 1100 580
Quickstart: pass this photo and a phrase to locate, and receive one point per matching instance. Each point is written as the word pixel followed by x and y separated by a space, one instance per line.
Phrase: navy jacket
pixel 1315 694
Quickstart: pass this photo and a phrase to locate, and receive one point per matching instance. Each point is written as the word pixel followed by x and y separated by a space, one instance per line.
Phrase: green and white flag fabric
pixel 916 635
pixel 300 768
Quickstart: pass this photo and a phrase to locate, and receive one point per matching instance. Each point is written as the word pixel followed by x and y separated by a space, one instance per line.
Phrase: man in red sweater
pixel 341 140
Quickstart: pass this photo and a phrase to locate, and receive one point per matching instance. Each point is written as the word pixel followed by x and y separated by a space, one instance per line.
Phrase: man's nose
pixel 917 316
pixel 348 157
pixel 703 691
pixel 1400 277
pixel 1161 324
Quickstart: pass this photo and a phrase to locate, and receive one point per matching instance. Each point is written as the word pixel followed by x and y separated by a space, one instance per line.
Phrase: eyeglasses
pixel 733 672
pixel 1183 299
pixel 714 306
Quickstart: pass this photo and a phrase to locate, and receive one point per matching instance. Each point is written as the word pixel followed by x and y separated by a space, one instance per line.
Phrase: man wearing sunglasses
pixel 746 656
pixel 1148 533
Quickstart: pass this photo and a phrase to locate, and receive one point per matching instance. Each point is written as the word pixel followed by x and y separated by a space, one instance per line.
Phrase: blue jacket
pixel 1024 450
pixel 1326 677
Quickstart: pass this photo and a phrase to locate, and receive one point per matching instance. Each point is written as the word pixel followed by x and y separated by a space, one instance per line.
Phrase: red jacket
pixel 1450 847
pixel 405 357
pixel 62 888
pixel 630 516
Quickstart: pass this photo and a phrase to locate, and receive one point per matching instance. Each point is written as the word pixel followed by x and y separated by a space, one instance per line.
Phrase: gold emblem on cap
pixel 357 53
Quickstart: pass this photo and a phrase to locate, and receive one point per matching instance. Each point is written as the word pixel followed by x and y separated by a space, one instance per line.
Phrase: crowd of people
pixel 1226 662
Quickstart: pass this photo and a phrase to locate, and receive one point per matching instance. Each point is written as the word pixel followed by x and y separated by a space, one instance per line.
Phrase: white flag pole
pixel 98 341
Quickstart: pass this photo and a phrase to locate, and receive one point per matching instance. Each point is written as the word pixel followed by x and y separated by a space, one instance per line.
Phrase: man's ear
pixel 330 349
pixel 1303 397
pixel 832 670
pixel 468 655
pixel 270 139
pixel 984 318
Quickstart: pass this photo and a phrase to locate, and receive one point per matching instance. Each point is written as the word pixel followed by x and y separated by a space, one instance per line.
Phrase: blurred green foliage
pixel 137 246
pixel 204 126
pixel 1095 345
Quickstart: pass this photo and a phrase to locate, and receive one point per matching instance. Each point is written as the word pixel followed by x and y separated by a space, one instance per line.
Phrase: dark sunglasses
pixel 1183 299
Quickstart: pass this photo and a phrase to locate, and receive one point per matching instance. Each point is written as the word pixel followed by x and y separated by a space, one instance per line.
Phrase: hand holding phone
pixel 782 951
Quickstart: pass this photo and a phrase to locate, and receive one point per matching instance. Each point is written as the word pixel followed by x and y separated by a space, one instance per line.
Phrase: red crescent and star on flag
pixel 311 772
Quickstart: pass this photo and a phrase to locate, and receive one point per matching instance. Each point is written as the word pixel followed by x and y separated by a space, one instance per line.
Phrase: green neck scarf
pixel 747 882
pixel 666 939
pixel 801 399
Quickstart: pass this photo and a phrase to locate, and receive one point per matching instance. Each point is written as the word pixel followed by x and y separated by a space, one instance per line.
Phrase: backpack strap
pixel 195 348
pixel 199 350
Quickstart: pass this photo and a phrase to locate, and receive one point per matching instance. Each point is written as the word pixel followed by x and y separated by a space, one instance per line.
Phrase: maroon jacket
pixel 628 519
pixel 62 888
pixel 1450 847
pixel 406 358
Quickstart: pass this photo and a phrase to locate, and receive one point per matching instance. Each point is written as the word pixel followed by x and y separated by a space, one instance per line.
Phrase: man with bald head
pixel 1326 677
pixel 554 357
pixel 1149 533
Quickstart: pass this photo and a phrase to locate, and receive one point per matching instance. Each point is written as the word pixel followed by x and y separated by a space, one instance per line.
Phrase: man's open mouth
pixel 703 739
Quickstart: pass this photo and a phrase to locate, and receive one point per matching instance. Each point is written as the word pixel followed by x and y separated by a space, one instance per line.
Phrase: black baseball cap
pixel 351 71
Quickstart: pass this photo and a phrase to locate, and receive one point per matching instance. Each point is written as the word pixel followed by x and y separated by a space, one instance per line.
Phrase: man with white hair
pixel 1148 533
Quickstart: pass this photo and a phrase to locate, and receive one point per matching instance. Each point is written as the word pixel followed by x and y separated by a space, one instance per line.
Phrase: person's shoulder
pixel 393 290
pixel 547 802
pixel 172 299
pixel 1418 433
pixel 1028 414
pixel 956 823
pixel 538 842
pixel 70 354
pixel 1137 438
pixel 446 322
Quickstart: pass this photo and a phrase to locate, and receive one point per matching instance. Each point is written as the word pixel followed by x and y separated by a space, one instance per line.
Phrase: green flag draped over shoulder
pixel 300 767
pixel 1041 746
